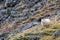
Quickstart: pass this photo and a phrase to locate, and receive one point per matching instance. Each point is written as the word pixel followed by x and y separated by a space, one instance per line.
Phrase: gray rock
pixel 14 14
pixel 29 5
pixel 38 5
pixel 56 33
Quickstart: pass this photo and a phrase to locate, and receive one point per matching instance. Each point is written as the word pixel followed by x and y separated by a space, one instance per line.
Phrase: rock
pixel 36 23
pixel 38 5
pixel 58 12
pixel 29 5
pixel 56 33
pixel 1 0
pixel 17 5
pixel 2 7
pixel 11 3
pixel 2 38
pixel 57 0
pixel 24 14
pixel 3 16
pixel 32 10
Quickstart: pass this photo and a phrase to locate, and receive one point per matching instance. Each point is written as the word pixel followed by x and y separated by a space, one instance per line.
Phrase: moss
pixel 47 32
pixel 58 38
pixel 56 27
pixel 30 34
pixel 16 39
pixel 27 36
pixel 47 38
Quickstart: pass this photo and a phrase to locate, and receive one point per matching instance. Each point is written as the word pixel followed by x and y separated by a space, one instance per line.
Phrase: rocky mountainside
pixel 18 16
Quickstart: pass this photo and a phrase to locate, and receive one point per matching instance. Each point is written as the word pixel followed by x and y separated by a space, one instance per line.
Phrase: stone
pixel 56 33
pixel 38 5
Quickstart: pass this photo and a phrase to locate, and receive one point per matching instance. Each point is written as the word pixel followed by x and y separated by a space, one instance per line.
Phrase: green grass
pixel 47 33
pixel 56 26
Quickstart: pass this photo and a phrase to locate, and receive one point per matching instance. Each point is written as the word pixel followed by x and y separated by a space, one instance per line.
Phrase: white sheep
pixel 45 21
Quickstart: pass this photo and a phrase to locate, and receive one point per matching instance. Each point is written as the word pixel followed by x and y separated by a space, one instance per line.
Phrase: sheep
pixel 45 22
